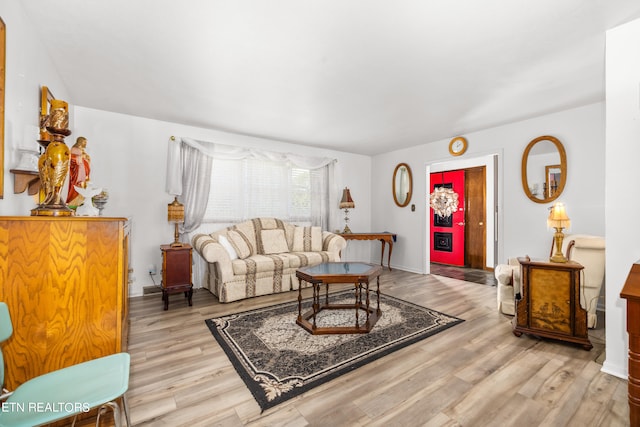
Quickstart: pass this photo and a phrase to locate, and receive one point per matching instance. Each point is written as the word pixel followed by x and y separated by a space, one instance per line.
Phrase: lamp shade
pixel 558 217
pixel 175 211
pixel 347 201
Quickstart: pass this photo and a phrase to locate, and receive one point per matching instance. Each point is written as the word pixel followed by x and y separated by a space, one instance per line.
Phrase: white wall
pixel 522 228
pixel 622 176
pixel 129 153
pixel 128 157
pixel 27 67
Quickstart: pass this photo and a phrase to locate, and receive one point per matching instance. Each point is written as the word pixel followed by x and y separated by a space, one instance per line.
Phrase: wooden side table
pixel 176 272
pixel 550 302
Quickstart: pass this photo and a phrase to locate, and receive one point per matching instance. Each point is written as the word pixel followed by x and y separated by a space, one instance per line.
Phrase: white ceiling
pixel 364 76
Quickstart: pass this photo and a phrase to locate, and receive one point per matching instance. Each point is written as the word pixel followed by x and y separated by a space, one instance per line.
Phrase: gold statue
pixel 53 164
pixel 53 167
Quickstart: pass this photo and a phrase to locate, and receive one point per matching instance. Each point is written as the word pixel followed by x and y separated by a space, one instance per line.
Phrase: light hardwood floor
pixel 474 374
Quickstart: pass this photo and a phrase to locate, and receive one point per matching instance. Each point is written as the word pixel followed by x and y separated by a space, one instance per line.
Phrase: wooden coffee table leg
pixel 316 302
pixel 299 300
pixel 378 311
pixel 367 293
pixel 326 293
pixel 357 304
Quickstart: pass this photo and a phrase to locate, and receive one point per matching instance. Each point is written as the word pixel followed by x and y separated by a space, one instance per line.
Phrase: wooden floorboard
pixel 474 374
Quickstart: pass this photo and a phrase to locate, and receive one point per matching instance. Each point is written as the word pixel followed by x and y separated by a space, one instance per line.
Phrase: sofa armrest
pixel 213 252
pixel 332 242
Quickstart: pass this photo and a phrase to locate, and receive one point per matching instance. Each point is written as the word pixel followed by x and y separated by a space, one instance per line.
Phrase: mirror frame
pixel 563 169
pixel 393 185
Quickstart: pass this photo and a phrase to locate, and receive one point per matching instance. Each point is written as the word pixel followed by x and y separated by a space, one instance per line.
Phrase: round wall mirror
pixel 402 185
pixel 544 169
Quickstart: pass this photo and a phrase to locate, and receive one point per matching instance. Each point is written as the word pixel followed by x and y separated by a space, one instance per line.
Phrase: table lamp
pixel 558 219
pixel 175 214
pixel 346 203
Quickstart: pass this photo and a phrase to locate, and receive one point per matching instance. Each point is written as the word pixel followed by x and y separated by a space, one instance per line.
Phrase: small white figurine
pixel 87 208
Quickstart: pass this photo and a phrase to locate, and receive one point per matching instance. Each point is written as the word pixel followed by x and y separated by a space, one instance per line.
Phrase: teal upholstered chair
pixel 66 392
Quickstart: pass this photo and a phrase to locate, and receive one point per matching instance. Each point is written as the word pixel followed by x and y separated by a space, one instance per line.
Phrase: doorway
pixel 461 238
pixel 448 231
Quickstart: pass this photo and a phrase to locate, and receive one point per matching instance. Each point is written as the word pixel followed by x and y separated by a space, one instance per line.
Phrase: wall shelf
pixel 25 180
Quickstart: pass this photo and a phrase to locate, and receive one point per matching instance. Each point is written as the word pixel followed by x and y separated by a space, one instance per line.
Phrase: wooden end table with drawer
pixel 176 272
pixel 550 303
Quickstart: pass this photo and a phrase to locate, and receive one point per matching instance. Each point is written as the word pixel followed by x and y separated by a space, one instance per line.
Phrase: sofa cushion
pixel 273 241
pixel 226 244
pixel 259 264
pixel 307 239
pixel 248 232
pixel 303 259
pixel 239 243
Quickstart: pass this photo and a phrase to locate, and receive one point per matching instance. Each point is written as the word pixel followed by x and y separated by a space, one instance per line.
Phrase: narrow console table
pixel 550 302
pixel 383 237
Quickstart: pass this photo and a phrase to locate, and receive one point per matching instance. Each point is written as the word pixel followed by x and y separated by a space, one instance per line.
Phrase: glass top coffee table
pixel 358 273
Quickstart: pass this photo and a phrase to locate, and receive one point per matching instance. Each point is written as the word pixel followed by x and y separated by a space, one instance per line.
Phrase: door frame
pixel 492 163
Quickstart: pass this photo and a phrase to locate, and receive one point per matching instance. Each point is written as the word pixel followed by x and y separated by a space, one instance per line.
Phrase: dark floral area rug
pixel 279 360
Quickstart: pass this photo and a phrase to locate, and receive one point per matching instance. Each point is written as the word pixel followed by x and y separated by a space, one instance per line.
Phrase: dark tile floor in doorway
pixel 464 273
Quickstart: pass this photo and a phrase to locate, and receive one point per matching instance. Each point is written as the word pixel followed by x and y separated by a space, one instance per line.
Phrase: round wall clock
pixel 457 146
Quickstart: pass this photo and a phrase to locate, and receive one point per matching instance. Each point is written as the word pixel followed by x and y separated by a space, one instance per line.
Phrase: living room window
pixel 251 188
pixel 222 184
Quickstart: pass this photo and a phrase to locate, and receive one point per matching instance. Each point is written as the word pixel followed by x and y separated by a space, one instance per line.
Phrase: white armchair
pixel 508 277
pixel 590 252
pixel 584 249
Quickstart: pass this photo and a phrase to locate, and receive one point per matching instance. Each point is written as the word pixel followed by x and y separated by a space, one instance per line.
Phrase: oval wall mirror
pixel 544 169
pixel 402 185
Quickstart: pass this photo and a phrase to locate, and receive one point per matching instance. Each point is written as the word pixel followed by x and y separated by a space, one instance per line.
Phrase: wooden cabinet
pixel 176 272
pixel 65 281
pixel 631 292
pixel 550 302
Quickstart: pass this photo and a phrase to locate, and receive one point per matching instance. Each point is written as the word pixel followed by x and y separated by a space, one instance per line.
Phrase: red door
pixel 447 233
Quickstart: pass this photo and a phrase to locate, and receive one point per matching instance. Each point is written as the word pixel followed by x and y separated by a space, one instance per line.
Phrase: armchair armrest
pixel 509 275
pixel 213 252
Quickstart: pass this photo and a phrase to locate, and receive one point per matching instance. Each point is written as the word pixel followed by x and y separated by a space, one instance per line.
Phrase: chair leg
pixel 116 413
pixel 125 408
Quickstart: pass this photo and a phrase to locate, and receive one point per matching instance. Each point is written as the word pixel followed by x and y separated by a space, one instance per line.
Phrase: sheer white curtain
pixel 188 177
pixel 322 193
pixel 196 180
pixel 178 173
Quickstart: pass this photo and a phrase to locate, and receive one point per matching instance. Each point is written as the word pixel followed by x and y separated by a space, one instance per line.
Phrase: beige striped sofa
pixel 261 256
